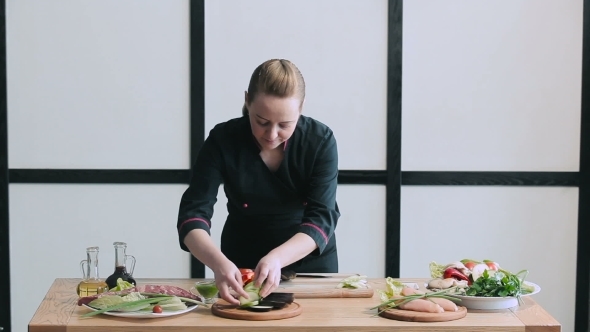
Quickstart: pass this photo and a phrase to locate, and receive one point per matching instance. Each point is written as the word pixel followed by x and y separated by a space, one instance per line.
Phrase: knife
pixel 290 275
pixel 306 275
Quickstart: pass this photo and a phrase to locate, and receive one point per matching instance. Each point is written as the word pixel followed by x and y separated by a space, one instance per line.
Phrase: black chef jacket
pixel 266 208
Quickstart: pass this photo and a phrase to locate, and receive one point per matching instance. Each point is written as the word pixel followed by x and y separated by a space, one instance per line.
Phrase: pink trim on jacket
pixel 194 219
pixel 318 229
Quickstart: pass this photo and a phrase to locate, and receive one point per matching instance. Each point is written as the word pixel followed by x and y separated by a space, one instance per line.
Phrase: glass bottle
pixel 121 270
pixel 91 284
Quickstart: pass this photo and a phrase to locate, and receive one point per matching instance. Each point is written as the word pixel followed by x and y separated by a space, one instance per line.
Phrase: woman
pixel 279 170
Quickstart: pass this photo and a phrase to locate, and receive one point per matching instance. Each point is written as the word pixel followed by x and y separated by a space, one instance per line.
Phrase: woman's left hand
pixel 268 273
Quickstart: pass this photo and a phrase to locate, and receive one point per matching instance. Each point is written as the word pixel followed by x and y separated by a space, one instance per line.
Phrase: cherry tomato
pixel 247 275
pixel 157 309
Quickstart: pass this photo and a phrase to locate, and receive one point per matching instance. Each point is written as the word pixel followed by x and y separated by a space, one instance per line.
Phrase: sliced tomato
pixel 247 275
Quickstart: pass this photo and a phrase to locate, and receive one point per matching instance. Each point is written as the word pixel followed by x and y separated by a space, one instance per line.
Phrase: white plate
pixel 492 303
pixel 145 314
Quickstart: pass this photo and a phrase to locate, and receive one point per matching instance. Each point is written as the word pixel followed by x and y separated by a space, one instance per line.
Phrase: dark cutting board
pixel 232 311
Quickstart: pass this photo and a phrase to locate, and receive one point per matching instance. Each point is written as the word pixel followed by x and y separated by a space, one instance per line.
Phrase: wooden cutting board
pixel 310 288
pixel 226 310
pixel 416 316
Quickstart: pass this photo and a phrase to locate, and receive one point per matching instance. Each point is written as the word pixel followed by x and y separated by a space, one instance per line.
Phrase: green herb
pixel 500 284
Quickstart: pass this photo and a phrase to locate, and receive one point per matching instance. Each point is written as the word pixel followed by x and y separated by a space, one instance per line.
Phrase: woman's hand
pixel 227 276
pixel 268 273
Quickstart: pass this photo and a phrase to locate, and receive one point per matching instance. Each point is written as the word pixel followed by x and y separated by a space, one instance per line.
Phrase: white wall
pixel 340 48
pixel 98 84
pixel 94 84
pixel 493 86
pixel 487 86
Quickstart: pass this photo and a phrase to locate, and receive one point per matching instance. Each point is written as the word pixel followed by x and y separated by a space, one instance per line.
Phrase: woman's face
pixel 273 119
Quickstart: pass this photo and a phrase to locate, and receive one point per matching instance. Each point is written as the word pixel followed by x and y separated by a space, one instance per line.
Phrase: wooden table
pixel 60 312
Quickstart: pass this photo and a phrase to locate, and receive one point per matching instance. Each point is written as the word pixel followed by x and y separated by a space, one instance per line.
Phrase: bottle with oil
pixel 121 270
pixel 91 284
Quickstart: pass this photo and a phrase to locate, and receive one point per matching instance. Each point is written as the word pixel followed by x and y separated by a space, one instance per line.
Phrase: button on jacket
pixel 266 208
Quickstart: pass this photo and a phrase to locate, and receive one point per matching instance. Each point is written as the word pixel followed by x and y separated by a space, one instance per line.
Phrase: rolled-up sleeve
pixel 321 212
pixel 196 205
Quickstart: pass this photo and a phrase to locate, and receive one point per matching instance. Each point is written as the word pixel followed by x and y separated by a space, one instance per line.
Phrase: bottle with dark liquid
pixel 121 270
pixel 91 284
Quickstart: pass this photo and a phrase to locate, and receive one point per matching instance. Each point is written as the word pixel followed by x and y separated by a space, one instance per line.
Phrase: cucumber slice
pixel 246 305
pixel 250 287
pixel 253 300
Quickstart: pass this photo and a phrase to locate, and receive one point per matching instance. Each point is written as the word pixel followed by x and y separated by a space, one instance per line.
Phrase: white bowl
pixel 492 303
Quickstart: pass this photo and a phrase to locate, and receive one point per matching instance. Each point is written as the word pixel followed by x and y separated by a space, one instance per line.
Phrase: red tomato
pixel 247 275
pixel 157 309
pixel 470 265
pixel 493 265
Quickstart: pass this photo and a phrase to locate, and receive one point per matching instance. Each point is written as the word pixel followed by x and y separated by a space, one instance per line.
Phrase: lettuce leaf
pixel 133 296
pixel 121 285
pixel 437 270
pixel 106 301
pixel 172 304
pixel 393 288
pixel 353 282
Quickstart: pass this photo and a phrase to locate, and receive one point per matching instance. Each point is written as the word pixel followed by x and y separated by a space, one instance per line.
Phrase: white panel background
pixel 491 85
pixel 486 86
pixel 521 228
pixel 52 225
pixel 98 84
pixel 360 233
pixel 340 46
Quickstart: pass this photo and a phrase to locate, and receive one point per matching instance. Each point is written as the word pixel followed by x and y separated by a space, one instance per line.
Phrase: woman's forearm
pixel 297 247
pixel 202 247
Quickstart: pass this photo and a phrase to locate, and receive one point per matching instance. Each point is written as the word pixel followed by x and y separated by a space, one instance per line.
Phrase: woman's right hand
pixel 227 276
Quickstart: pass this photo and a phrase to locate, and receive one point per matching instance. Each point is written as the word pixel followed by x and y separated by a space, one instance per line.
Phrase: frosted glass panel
pixel 361 230
pixel 98 84
pixel 491 85
pixel 52 225
pixel 360 233
pixel 521 228
pixel 339 46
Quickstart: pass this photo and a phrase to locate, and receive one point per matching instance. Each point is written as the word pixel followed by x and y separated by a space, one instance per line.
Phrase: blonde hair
pixel 276 77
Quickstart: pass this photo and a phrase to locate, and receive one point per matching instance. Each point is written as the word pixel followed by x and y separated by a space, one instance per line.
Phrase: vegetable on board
pixel 253 295
pixel 353 282
pixel 247 276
